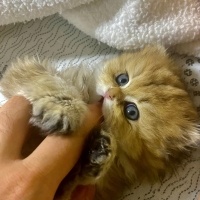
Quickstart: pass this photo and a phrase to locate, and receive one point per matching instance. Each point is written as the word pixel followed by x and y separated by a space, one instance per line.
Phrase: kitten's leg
pixel 98 157
pixel 57 104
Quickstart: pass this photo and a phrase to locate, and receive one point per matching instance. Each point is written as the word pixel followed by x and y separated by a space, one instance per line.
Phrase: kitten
pixel 149 118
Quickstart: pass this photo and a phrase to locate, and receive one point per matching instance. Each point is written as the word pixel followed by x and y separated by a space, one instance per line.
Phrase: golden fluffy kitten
pixel 149 117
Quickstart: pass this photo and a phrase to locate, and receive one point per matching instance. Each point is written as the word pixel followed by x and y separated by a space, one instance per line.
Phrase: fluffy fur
pixel 125 149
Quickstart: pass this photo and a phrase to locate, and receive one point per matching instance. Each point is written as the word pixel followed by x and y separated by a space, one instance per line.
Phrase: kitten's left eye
pixel 131 111
pixel 122 79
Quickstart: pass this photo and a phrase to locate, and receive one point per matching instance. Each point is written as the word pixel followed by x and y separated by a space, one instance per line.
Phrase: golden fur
pixel 167 123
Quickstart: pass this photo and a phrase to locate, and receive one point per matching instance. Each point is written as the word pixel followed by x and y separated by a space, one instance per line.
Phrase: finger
pixel 14 117
pixel 84 193
pixel 56 155
pixel 92 118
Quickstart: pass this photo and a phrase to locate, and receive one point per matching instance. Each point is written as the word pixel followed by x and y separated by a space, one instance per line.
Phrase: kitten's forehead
pixel 149 59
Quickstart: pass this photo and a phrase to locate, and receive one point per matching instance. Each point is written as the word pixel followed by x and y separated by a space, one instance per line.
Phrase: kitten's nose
pixel 114 93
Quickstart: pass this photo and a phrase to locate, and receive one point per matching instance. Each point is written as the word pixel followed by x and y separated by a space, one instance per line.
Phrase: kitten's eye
pixel 131 111
pixel 122 79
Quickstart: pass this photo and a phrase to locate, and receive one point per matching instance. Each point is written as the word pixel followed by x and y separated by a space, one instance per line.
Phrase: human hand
pixel 38 175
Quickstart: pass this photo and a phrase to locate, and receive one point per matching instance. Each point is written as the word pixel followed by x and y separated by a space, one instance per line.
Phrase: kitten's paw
pixel 100 150
pixel 57 114
pixel 99 155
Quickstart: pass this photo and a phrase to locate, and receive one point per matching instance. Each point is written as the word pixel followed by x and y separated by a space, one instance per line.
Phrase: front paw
pixel 57 114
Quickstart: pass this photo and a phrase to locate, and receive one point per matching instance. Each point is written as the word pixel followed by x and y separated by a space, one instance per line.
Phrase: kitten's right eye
pixel 122 79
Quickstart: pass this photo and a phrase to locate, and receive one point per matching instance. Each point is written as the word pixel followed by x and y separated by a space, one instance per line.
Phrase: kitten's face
pixel 146 105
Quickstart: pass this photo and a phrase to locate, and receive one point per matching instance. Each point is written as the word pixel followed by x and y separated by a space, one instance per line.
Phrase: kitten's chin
pixel 106 106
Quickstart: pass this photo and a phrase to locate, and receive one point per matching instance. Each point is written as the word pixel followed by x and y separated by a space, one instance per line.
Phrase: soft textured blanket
pixel 12 11
pixel 124 24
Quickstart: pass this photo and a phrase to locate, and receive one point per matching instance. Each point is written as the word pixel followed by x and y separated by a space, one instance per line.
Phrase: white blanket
pixel 124 24
pixel 12 11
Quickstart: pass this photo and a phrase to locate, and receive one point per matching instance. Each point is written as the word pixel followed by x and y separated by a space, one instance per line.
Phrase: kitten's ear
pixel 154 49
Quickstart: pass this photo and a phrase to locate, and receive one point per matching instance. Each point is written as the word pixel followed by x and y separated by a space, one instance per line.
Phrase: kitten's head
pixel 147 107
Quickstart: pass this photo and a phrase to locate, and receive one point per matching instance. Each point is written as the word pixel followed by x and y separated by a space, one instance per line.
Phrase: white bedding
pixel 54 38
pixel 123 24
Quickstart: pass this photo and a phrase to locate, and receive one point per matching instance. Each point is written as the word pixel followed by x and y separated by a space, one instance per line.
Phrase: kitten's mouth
pixel 101 100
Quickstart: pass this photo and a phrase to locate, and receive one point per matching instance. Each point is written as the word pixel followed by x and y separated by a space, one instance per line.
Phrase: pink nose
pixel 108 96
pixel 113 93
